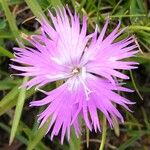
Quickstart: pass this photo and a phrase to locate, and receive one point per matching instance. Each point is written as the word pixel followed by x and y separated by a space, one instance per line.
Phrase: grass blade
pixel 134 84
pixel 87 137
pixel 18 136
pixel 139 28
pixel 11 20
pixel 6 52
pixel 36 9
pixel 130 142
pixel 75 143
pixel 12 102
pixel 18 111
pixel 9 97
pixel 56 3
pixel 38 136
pixel 7 107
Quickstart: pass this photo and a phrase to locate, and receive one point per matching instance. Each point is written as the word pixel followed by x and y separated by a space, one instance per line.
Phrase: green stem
pixel 134 27
pixel 103 133
pixel 36 9
pixel 116 7
pixel 18 112
pixel 87 137
pixel 135 86
pixel 56 3
pixel 11 20
pixel 126 16
pixel 6 52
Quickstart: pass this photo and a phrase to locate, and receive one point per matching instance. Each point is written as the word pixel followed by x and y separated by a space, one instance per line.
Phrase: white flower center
pixel 81 73
pixel 76 70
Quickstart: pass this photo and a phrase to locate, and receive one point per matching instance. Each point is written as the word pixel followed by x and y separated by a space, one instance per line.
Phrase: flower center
pixel 76 71
pixel 81 73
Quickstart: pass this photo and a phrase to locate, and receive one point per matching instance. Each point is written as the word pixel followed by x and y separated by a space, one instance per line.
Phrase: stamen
pixel 76 71
pixel 86 89
pixel 80 73
pixel 42 91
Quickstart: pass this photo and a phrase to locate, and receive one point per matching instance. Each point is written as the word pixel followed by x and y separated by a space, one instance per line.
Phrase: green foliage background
pixel 18 122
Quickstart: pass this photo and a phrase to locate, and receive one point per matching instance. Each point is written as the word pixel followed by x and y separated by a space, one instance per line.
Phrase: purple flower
pixel 88 65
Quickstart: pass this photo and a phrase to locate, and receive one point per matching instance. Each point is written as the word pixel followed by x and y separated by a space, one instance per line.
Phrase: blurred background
pixel 18 125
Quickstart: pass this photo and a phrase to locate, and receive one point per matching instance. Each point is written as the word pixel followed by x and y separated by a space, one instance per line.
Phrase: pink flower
pixel 88 66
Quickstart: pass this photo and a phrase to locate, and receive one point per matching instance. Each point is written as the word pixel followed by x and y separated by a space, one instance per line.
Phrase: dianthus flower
pixel 88 66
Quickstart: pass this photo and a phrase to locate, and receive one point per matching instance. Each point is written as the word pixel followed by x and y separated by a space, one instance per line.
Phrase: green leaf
pixel 133 10
pixel 12 102
pixel 9 97
pixel 5 86
pixel 11 20
pixel 87 137
pixel 139 28
pixel 6 52
pixel 56 3
pixel 7 107
pixel 137 7
pixel 74 142
pixel 38 136
pixel 116 127
pixel 36 8
pixel 44 4
pixel 5 35
pixel 8 83
pixel 104 133
pixel 15 2
pixel 18 136
pixel 135 87
pixel 130 142
pixel 2 24
pixel 146 119
pixel 18 111
pixel 144 56
pixel 29 134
